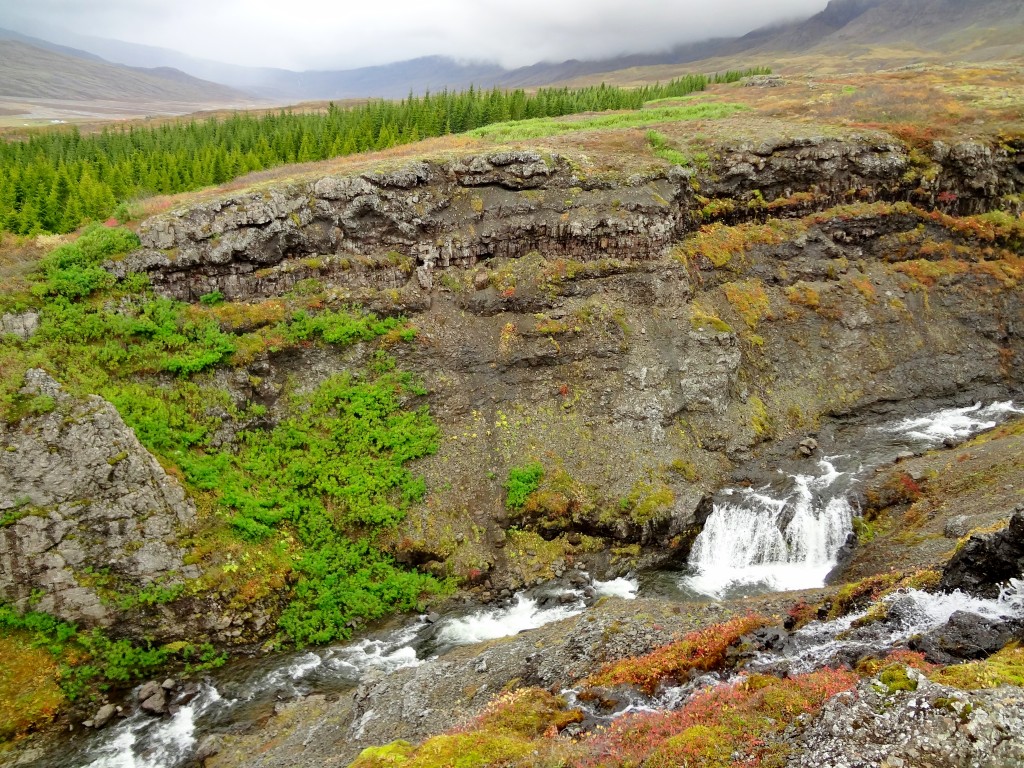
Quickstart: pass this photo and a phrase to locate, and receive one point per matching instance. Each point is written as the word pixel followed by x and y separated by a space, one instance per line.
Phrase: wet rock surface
pixel 986 561
pixel 964 637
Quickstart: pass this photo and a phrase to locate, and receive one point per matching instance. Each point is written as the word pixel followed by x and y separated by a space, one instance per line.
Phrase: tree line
pixel 56 179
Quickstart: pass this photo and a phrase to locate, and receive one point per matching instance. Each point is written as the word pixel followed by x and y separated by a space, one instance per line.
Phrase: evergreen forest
pixel 55 180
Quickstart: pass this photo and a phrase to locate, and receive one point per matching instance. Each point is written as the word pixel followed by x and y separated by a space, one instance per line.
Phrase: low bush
pixel 522 481
pixel 703 650
pixel 724 725
pixel 92 659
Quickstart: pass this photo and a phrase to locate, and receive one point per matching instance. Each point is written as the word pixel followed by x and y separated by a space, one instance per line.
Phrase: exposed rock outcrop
pixel 988 560
pixel 378 228
pixel 966 636
pixel 88 512
pixel 415 702
pixel 21 324
pixel 932 725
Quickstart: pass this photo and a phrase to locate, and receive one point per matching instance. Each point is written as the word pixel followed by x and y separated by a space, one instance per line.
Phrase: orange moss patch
pixel 803 294
pixel 865 288
pixel 749 300
pixel 914 659
pixel 241 316
pixel 716 724
pixel 719 243
pixel 860 594
pixel 29 694
pixel 702 650
pixel 928 273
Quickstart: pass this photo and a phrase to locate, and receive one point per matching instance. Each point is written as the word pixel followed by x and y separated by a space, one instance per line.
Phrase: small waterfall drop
pixel 767 543
pixel 954 423
pixel 788 536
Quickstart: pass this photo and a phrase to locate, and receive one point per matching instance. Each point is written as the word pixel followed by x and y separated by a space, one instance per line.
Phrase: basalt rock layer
pixel 377 229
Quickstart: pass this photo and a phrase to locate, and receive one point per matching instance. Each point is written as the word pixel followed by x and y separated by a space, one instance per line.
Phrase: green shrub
pixel 93 660
pixel 73 270
pixel 522 481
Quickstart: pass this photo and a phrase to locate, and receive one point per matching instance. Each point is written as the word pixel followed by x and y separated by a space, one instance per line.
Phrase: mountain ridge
pixel 33 72
pixel 915 28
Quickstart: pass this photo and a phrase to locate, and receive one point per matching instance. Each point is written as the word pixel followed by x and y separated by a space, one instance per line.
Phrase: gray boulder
pixel 23 324
pixel 80 496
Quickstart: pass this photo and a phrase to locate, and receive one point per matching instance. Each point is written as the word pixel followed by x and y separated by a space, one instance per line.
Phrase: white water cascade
pixel 954 423
pixel 821 644
pixel 141 741
pixel 824 644
pixel 788 536
pixel 783 537
pixel 772 543
pixel 526 613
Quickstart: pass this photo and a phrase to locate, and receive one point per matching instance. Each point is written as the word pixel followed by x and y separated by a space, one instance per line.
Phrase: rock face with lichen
pixel 378 228
pixel 88 513
pixel 932 725
pixel 642 336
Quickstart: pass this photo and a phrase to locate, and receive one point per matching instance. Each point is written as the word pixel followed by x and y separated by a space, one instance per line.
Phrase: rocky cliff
pixel 642 336
pixel 377 228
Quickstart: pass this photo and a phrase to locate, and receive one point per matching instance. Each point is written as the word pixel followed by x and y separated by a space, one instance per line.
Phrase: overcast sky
pixel 321 34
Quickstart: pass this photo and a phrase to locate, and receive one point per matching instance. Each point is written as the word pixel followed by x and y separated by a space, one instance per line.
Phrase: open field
pixel 91 116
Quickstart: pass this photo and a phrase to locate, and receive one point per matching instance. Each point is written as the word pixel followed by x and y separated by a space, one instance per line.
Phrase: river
pixel 782 536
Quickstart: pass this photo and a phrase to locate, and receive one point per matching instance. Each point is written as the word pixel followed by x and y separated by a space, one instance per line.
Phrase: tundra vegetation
pixel 310 496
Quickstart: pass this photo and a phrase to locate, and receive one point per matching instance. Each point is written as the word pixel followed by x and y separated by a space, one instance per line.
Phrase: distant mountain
pixel 46 45
pixel 386 81
pixel 950 27
pixel 864 32
pixel 974 29
pixel 32 72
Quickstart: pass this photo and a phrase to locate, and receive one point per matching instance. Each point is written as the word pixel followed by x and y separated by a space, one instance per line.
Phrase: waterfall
pixel 788 537
pixel 954 423
pixel 761 541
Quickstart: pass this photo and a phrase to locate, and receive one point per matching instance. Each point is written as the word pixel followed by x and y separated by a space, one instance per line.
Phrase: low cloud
pixel 326 34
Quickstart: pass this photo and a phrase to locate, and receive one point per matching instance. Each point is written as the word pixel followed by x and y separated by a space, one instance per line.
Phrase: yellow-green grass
pixel 547 126
pixel 29 693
